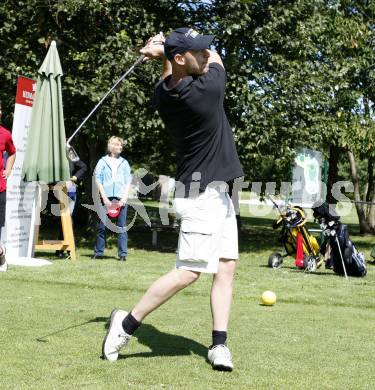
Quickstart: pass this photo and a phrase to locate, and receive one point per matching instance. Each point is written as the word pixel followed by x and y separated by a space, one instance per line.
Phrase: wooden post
pixel 67 244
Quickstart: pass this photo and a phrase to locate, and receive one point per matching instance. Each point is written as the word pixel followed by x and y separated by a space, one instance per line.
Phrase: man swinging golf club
pixel 189 99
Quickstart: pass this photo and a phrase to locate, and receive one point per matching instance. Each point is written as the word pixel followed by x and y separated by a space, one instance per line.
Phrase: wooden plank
pixel 68 243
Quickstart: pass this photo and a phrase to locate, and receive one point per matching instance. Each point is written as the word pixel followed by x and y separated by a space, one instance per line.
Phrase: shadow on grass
pixel 160 343
pixel 165 344
pixel 256 235
pixel 364 245
pixel 322 271
pixel 138 238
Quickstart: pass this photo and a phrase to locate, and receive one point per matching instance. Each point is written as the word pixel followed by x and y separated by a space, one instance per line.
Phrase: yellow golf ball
pixel 268 298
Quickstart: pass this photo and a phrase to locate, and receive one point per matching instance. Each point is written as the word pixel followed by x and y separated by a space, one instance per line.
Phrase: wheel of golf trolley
pixel 309 263
pixel 275 260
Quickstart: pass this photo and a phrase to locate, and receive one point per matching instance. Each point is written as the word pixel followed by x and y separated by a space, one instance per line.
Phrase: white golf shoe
pixel 3 262
pixel 116 338
pixel 220 358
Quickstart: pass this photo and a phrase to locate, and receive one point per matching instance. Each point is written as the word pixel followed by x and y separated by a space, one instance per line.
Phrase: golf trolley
pixel 296 239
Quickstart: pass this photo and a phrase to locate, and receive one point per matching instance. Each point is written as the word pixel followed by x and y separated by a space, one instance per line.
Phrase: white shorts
pixel 208 231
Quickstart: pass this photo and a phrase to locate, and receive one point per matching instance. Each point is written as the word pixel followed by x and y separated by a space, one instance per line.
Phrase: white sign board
pixel 19 225
pixel 307 178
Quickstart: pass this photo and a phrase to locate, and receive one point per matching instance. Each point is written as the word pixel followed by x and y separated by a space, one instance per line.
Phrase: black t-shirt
pixel 193 113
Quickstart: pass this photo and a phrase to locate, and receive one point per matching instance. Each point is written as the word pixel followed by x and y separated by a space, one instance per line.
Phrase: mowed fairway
pixel 319 335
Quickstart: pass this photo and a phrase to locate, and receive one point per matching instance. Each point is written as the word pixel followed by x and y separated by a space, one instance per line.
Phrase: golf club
pixel 342 259
pixel 71 154
pixel 44 338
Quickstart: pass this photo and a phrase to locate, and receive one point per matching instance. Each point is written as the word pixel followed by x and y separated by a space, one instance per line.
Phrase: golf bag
pixel 342 255
pixel 296 239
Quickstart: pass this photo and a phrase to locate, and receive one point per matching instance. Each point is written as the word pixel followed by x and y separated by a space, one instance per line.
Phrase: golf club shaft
pixel 137 62
pixel 342 259
pixel 275 204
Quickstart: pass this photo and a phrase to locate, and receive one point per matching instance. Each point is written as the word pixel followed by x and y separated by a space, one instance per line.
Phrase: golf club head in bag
pixel 324 212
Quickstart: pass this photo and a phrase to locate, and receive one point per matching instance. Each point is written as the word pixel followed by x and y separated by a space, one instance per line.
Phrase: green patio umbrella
pixel 45 158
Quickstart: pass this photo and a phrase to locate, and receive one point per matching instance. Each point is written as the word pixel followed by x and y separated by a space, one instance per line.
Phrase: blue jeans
pixel 122 237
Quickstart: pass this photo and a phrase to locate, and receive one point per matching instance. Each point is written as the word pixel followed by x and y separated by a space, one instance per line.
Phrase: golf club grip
pixel 137 62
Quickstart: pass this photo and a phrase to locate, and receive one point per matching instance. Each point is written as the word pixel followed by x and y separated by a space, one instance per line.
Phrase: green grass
pixel 319 335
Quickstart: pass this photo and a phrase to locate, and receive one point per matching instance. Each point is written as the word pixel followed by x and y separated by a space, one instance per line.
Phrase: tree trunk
pixel 370 169
pixel 364 227
pixel 371 194
pixel 332 172
pixel 371 214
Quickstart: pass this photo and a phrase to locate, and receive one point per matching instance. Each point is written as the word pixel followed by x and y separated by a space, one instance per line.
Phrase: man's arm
pixel 11 150
pixel 9 165
pixel 214 57
pixel 154 49
pixel 79 170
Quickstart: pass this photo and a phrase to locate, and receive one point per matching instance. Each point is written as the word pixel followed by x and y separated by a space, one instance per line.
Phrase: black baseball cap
pixel 184 39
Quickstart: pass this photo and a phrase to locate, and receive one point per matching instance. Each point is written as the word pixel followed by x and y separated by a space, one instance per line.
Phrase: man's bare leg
pixel 221 300
pixel 221 294
pixel 123 324
pixel 161 290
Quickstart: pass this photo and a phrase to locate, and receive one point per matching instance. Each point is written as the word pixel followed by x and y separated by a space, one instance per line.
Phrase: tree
pixel 299 74
pixel 97 42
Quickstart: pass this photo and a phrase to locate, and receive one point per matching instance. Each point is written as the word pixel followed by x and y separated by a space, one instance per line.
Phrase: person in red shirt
pixel 6 145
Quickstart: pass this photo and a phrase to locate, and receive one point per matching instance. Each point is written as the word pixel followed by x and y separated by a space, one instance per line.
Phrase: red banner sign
pixel 25 91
